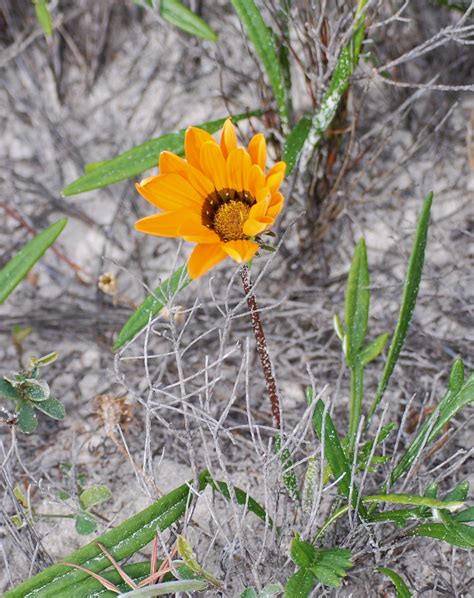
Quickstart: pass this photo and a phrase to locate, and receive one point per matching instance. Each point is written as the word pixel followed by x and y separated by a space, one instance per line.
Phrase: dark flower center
pixel 226 211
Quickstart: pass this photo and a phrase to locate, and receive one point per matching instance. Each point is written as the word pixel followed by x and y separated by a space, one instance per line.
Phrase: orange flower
pixel 218 197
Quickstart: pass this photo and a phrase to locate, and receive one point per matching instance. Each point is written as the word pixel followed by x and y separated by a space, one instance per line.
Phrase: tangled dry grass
pixel 186 394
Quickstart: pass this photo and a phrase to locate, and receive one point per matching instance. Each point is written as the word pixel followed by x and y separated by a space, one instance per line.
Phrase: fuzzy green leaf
pixel 400 586
pixel 263 41
pixel 7 391
pixel 27 421
pixel 140 158
pixel 94 495
pixel 459 534
pixel 152 305
pixel 18 267
pixel 410 294
pixel 52 407
pixel 300 584
pixel 460 492
pixel 456 376
pixel 85 524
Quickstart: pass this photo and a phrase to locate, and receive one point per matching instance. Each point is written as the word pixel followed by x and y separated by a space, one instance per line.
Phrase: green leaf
pixel 123 541
pixel 448 408
pixel 294 142
pixel 356 311
pixel 19 266
pixel 85 524
pixel 241 497
pixel 456 376
pixel 400 586
pixel 180 16
pixel 465 516
pixel 94 495
pixel 35 390
pixel 7 391
pixel 373 350
pixel 152 305
pixel 300 584
pixel 44 17
pixel 186 552
pixel 27 421
pixel 288 472
pixel 272 589
pixel 459 534
pixel 249 593
pixel 460 492
pixel 52 407
pixel 346 64
pixel 44 360
pixel 263 41
pixel 335 455
pixel 167 587
pixel 410 294
pixel 140 158
pixel 328 565
pixel 413 499
pixel 309 486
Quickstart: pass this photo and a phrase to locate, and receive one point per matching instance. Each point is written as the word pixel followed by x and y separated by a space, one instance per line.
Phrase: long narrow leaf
pixel 152 305
pixel 181 17
pixel 138 159
pixel 346 64
pixel 449 406
pixel 263 40
pixel 410 294
pixel 459 534
pixel 356 312
pixel 122 541
pixel 400 586
pixel 294 142
pixel 335 455
pixel 19 266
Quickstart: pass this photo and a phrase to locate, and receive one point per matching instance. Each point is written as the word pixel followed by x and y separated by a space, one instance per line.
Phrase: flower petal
pixel 171 163
pixel 256 179
pixel 238 169
pixel 276 204
pixel 275 176
pixel 170 192
pixel 203 258
pixel 213 164
pixel 193 230
pixel 253 227
pixel 258 150
pixel 240 251
pixel 162 225
pixel 193 140
pixel 228 138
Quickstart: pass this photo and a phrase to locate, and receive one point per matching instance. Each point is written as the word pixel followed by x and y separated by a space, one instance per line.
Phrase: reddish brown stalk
pixel 262 348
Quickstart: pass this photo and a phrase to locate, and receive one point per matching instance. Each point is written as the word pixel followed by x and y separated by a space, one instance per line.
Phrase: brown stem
pixel 262 348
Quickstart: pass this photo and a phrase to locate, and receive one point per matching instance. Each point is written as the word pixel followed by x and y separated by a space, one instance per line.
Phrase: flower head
pixel 219 197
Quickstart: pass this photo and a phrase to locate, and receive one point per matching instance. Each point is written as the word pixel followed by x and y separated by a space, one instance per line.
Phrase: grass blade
pixel 183 18
pixel 167 587
pixel 263 41
pixel 458 534
pixel 18 267
pixel 152 305
pixel 334 453
pixel 138 159
pixel 449 406
pixel 400 586
pixel 410 294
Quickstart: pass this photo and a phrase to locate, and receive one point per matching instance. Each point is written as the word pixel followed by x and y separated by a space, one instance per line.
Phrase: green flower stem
pixel 357 393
